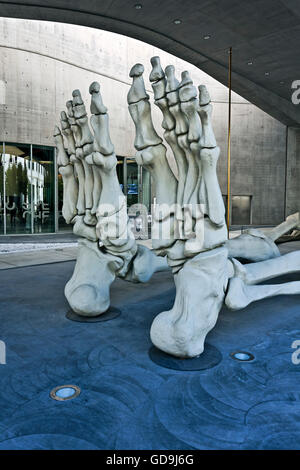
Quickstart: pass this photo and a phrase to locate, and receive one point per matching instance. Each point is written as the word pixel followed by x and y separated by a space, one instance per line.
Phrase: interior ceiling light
pixel 207 36
pixel 138 6
pixel 177 21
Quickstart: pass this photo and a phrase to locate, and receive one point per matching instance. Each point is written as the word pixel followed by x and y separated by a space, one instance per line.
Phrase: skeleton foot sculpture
pixel 189 225
pixel 188 221
pixel 87 167
pixel 94 203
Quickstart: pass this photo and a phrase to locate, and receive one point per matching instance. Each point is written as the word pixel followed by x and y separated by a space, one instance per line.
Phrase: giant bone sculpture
pixel 189 226
pixel 95 204
pixel 197 248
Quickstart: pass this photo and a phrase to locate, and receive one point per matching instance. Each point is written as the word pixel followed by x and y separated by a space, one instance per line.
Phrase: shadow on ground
pixel 127 401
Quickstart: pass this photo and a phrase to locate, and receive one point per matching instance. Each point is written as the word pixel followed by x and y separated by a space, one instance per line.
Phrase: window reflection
pixel 132 182
pixel 42 181
pixel 1 192
pixel 17 192
pixel 27 188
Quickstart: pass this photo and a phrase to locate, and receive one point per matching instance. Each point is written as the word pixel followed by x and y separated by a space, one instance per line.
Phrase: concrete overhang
pixel 264 36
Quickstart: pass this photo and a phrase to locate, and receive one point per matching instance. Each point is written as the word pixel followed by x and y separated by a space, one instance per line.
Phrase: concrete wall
pixel 293 171
pixel 41 63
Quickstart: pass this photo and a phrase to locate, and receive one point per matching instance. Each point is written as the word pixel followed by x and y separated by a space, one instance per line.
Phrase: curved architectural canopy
pixel 264 35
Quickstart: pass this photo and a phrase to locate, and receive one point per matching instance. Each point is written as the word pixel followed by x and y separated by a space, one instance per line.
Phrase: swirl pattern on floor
pixel 126 400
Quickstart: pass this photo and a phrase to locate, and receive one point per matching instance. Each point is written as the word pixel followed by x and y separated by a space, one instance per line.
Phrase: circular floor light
pixel 65 392
pixel 242 356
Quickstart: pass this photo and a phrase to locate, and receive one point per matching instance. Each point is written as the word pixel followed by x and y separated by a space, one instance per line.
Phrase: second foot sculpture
pixel 189 223
pixel 190 216
pixel 94 203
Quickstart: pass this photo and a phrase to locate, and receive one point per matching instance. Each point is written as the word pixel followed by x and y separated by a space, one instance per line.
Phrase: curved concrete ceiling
pixel 264 36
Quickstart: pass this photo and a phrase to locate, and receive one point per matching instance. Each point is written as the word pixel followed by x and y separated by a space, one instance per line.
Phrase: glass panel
pixel 16 162
pixel 241 210
pixel 1 192
pixel 62 225
pixel 146 189
pixel 132 182
pixel 120 172
pixel 42 181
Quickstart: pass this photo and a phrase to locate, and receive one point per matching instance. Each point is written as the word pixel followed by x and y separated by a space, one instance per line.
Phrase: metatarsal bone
pixel 181 161
pixel 70 190
pixel 102 142
pixel 67 132
pixel 253 273
pixel 240 295
pixel 80 205
pixel 146 135
pixel 96 188
pixel 88 184
pixel 216 209
pixel 205 110
pixel 62 157
pixel 154 160
pixel 189 108
pixel 292 221
pixel 86 176
pixel 192 172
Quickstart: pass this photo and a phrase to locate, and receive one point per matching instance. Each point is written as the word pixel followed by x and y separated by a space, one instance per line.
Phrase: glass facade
pixel 27 189
pixel 31 189
pixel 135 182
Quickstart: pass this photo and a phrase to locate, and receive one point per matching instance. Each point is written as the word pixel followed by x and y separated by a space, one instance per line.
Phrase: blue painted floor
pixel 127 401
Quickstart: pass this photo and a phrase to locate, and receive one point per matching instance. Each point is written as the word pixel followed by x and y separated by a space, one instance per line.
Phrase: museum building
pixel 43 62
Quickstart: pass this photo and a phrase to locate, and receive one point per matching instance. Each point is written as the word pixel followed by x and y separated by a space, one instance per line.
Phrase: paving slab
pixel 126 400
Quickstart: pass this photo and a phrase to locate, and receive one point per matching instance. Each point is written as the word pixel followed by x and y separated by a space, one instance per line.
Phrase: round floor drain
pixel 242 356
pixel 65 392
pixel 210 357
pixel 110 314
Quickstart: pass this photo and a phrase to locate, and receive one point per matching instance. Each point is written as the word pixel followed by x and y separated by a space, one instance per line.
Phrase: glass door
pixel 17 193
pixel 43 190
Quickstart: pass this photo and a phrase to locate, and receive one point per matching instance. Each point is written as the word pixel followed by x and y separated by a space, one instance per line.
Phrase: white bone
pixel 182 330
